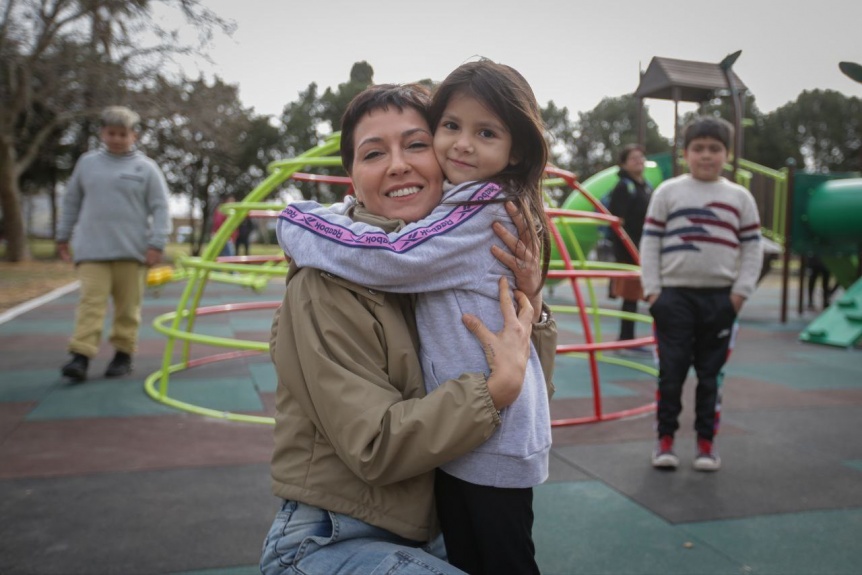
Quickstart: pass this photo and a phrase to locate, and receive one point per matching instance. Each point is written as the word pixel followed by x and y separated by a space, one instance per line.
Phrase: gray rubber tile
pixel 135 523
pixel 759 475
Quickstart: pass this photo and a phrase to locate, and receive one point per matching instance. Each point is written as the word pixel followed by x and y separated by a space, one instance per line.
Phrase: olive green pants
pixel 122 281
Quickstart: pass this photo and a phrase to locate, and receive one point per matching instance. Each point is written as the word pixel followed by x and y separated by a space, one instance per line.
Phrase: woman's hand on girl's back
pixel 508 350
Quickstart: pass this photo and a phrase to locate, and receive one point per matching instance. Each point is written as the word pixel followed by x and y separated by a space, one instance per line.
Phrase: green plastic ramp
pixel 841 324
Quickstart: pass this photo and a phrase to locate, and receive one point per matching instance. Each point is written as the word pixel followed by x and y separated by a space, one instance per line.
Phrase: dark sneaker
pixel 120 365
pixel 707 457
pixel 76 368
pixel 663 457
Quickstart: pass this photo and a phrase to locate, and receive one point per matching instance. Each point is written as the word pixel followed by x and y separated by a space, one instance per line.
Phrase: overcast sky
pixel 571 51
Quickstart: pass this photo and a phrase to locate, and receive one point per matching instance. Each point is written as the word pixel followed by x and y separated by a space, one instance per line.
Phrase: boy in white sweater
pixel 700 259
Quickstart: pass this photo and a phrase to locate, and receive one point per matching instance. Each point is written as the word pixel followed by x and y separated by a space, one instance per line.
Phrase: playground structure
pixel 801 214
pixel 574 232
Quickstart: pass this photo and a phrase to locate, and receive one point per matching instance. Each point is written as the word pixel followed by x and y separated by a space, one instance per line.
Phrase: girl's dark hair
pixel 379 97
pixel 627 150
pixel 505 92
pixel 708 127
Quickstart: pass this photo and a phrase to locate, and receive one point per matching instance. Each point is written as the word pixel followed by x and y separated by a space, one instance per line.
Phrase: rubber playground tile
pixel 29 384
pixel 252 321
pixel 37 327
pixel 572 379
pixel 97 398
pixel 560 470
pixel 13 346
pixel 634 429
pixel 598 530
pixel 828 358
pixel 637 428
pixel 239 570
pixel 11 415
pixel 810 543
pixel 136 523
pixel 829 432
pixel 803 376
pixel 221 394
pixel 88 446
pixel 855 464
pixel 742 393
pixel 263 376
pixel 758 476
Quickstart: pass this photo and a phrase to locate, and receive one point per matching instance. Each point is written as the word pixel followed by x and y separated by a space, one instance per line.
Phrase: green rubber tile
pixel 214 326
pixel 572 379
pixel 261 325
pixel 828 357
pixel 810 543
pixel 803 376
pixel 28 384
pixel 855 464
pixel 264 376
pixel 588 528
pixel 36 327
pixel 224 394
pixel 97 398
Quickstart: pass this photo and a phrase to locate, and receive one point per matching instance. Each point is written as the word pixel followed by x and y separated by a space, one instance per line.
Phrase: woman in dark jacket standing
pixel 629 201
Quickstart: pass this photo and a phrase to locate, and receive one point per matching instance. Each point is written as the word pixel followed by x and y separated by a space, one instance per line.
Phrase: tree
pixel 200 143
pixel 825 127
pixel 821 130
pixel 334 103
pixel 64 60
pixel 602 132
pixel 560 133
pixel 311 117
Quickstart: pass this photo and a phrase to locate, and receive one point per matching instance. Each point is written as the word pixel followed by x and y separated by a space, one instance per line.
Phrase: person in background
pixel 700 260
pixel 243 236
pixel 628 201
pixel 116 204
pixel 219 218
pixel 818 270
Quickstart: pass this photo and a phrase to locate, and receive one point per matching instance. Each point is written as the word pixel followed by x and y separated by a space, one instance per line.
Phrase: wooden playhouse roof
pixel 694 81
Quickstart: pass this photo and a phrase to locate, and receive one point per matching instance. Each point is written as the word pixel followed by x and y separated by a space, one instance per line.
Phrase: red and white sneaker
pixel 707 458
pixel 663 457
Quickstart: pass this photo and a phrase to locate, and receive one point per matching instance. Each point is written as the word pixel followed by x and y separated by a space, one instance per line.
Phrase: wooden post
pixel 674 160
pixel 788 231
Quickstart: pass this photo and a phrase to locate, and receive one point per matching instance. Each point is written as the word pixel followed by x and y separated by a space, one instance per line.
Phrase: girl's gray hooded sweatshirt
pixel 446 259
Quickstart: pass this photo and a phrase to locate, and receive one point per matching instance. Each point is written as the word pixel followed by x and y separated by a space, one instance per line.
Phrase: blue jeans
pixel 306 540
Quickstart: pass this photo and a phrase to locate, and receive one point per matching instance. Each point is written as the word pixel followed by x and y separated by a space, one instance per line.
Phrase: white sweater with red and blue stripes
pixel 702 235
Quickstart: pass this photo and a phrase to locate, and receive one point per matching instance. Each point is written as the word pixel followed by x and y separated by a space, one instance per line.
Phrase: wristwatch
pixel 544 318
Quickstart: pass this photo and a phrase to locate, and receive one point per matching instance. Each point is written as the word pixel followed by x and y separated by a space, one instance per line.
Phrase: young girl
pixel 489 142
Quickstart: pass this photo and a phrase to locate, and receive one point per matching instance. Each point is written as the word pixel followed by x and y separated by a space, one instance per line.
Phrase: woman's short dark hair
pixel 627 150
pixel 708 127
pixel 379 97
